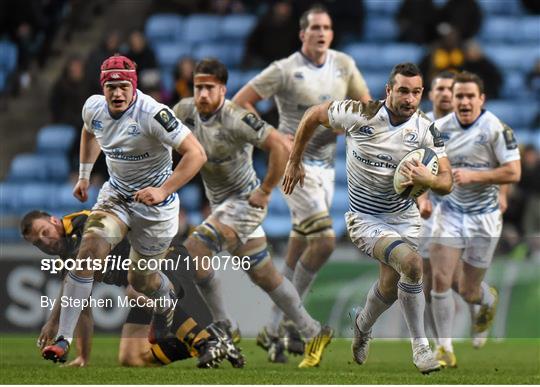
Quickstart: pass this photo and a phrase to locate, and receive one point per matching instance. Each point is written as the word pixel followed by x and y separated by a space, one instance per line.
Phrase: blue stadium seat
pixel 500 7
pixel 167 54
pixel 237 27
pixel 514 85
pixel 190 197
pixel 381 7
pixel 277 226
pixel 28 167
pixel 513 57
pixel 229 54
pixel 340 201
pixel 394 53
pixel 8 56
pixel 277 205
pixel 3 80
pixel 515 114
pixel 380 29
pixel 55 139
pixel 164 28
pixel 366 56
pixel 9 197
pixel 57 167
pixel 341 146
pixel 235 82
pixel 341 172
pixel 529 30
pixel 338 222
pixel 167 79
pixel 202 28
pixel 37 196
pixel 499 29
pixel 376 82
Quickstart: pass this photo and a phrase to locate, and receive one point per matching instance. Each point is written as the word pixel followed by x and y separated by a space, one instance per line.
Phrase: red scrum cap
pixel 119 68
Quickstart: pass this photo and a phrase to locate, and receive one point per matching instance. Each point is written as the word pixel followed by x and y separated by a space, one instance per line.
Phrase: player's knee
pixel 411 268
pixel 441 281
pixel 323 245
pixel 131 359
pixel 266 276
pixel 204 237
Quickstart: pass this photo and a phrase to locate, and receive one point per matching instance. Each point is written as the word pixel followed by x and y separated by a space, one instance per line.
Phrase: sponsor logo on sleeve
pixel 251 120
pixel 97 125
pixel 167 119
pixel 509 138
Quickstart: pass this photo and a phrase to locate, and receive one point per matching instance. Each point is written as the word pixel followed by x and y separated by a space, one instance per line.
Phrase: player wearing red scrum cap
pixel 139 200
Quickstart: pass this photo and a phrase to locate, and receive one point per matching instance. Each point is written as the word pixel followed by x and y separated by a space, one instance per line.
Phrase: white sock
pixel 286 297
pixel 210 289
pixel 78 289
pixel 429 323
pixel 164 293
pixel 276 315
pixel 303 278
pixel 374 307
pixel 444 309
pixel 412 300
pixel 487 297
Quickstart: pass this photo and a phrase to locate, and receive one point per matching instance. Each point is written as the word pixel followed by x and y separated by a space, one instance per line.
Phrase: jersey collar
pixel 465 127
pixel 306 58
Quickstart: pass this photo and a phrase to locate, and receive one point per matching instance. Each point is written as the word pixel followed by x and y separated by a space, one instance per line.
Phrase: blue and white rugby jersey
pixel 297 84
pixel 486 144
pixel 137 145
pixel 228 137
pixel 374 148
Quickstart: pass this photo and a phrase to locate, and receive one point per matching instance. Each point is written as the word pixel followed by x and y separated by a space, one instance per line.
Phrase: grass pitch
pixel 508 362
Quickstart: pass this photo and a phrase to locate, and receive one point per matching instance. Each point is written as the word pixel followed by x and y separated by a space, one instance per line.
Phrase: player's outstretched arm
pixel 247 97
pixel 507 173
pixel 276 146
pixel 89 152
pixel 294 171
pixel 193 158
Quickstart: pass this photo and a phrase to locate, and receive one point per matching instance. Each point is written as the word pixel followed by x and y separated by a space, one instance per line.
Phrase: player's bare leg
pixel 477 292
pixel 429 321
pixel 444 262
pixel 102 232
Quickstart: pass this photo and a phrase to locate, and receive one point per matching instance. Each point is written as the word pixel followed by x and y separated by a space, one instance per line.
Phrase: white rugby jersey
pixel 374 148
pixel 486 144
pixel 137 145
pixel 297 84
pixel 228 137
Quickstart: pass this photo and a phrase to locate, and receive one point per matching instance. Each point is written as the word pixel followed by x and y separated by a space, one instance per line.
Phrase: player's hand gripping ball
pixel 428 158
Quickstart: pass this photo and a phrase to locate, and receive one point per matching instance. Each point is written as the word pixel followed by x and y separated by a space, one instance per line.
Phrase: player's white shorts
pixel 314 197
pixel 477 235
pixel 237 213
pixel 365 230
pixel 426 232
pixel 151 228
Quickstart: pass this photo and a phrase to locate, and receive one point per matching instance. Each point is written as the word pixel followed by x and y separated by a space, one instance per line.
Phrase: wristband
pixel 85 169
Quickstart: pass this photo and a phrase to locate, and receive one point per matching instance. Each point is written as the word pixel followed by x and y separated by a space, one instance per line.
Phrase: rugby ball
pixel 427 157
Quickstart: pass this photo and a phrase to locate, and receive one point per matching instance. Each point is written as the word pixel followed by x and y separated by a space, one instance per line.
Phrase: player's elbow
pixel 514 176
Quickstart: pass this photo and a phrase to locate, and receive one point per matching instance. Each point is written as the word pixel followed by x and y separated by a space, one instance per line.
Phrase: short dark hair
pixel 316 8
pixel 407 69
pixel 466 77
pixel 446 74
pixel 213 67
pixel 28 220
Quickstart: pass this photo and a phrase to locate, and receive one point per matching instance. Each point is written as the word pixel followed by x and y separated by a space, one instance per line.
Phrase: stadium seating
pixel 55 139
pixel 190 197
pixel 380 29
pixel 277 204
pixel 378 7
pixel 513 57
pixel 277 226
pixel 229 54
pixel 202 28
pixel 237 27
pixel 167 54
pixel 516 114
pixel 164 28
